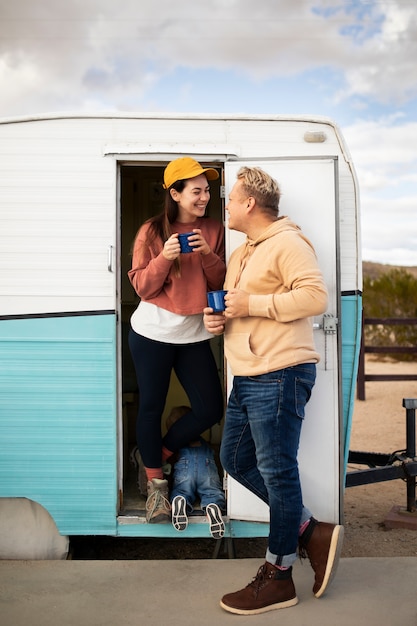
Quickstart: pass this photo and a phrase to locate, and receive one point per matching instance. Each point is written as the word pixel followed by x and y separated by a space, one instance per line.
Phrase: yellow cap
pixel 186 167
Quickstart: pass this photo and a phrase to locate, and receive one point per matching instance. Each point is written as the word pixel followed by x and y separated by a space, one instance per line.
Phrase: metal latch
pixel 110 251
pixel 329 327
pixel 330 324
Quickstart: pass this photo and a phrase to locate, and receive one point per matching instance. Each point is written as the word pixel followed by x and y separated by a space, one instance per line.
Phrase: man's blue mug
pixel 215 300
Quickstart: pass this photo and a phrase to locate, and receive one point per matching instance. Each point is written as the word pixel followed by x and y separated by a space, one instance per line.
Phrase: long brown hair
pixel 160 225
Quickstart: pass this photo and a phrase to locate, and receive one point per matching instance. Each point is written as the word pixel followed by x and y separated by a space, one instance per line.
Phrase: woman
pixel 167 331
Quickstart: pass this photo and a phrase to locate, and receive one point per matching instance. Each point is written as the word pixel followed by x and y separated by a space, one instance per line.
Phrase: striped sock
pixel 303 527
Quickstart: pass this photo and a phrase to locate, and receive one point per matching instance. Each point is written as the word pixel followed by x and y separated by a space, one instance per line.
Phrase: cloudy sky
pixel 351 60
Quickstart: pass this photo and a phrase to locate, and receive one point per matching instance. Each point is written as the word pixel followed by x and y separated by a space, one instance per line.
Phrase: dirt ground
pixel 378 425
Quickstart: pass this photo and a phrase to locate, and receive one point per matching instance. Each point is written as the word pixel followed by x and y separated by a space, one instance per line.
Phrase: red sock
pixel 154 472
pixel 166 454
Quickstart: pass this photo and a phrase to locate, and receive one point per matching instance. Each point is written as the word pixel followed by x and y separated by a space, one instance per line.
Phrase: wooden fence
pixel 362 376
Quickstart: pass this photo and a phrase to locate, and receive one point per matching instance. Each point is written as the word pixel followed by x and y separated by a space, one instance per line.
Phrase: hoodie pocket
pixel 239 351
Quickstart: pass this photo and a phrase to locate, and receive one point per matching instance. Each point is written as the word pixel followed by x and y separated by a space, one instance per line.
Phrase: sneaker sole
pixel 179 514
pixel 263 609
pixel 216 521
pixel 335 550
pixel 159 519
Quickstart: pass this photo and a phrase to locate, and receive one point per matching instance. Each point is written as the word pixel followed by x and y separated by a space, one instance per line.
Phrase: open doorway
pixel 142 196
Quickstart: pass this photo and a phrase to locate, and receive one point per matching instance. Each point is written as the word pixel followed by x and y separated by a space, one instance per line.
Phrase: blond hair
pixel 262 187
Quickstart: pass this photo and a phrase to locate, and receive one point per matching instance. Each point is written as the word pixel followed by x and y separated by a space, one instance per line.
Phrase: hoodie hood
pixel 282 224
pixel 242 255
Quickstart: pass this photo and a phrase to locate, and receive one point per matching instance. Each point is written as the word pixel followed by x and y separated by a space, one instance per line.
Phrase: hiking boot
pixel 179 513
pixel 141 479
pixel 271 589
pixel 158 508
pixel 215 520
pixel 322 544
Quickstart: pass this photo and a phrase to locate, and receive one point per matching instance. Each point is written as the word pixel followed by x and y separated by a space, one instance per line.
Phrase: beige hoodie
pixel 280 272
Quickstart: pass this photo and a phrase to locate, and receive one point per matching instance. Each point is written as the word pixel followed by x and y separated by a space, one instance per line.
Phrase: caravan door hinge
pixel 225 482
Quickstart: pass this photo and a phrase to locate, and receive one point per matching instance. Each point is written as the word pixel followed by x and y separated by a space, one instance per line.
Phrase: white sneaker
pixel 215 520
pixel 179 513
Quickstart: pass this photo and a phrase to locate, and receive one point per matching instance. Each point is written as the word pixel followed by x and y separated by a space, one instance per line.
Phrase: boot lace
pixel 261 579
pixel 157 502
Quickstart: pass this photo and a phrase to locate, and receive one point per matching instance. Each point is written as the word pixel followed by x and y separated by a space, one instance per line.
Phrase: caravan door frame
pixel 333 465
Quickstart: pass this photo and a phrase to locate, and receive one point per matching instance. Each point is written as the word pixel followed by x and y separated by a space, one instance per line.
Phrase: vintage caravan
pixel 74 189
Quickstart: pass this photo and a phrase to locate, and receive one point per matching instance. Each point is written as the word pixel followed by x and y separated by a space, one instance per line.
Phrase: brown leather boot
pixel 322 544
pixel 270 589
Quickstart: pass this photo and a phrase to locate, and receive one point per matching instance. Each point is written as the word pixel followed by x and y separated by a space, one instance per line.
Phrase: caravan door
pixel 309 197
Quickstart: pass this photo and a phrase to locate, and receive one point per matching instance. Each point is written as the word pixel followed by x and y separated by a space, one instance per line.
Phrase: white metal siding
pixel 57 218
pixel 58 195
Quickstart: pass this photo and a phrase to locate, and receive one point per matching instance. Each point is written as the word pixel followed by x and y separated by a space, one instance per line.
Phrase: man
pixel 274 288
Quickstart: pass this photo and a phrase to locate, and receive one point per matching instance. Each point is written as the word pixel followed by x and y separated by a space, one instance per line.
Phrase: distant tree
pixel 392 294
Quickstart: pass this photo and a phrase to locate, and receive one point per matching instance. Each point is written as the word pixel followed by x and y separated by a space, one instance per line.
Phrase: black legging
pixel 196 370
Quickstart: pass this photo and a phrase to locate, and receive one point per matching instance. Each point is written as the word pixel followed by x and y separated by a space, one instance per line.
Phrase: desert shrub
pixel 393 294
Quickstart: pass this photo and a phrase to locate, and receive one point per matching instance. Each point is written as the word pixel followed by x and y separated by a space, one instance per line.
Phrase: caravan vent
pixel 315 136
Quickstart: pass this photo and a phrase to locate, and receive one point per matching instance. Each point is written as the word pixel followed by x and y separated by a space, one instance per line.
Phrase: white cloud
pixel 102 55
pixel 386 163
pixel 384 151
pixel 387 59
pixel 76 49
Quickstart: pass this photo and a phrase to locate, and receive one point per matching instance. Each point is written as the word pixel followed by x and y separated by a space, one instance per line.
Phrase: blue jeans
pixel 196 475
pixel 260 446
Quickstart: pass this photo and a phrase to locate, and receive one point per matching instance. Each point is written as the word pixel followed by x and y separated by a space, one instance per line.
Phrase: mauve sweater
pixel 153 277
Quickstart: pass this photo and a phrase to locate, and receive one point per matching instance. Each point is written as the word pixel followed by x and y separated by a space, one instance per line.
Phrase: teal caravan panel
pixel 351 343
pixel 200 530
pixel 58 418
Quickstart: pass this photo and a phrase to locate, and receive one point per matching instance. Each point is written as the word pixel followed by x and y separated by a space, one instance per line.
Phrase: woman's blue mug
pixel 184 245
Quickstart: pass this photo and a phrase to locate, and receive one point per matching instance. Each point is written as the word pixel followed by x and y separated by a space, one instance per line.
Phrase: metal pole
pixel 410 406
pixel 360 383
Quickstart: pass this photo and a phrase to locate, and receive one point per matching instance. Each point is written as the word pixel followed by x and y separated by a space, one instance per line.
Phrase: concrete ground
pixel 365 592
